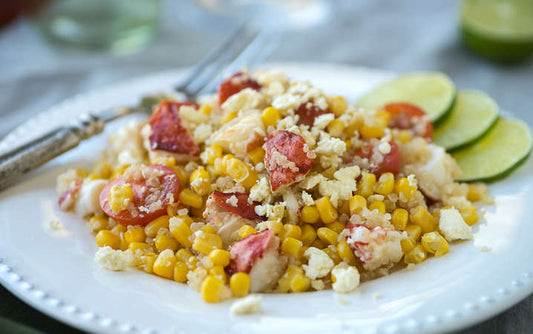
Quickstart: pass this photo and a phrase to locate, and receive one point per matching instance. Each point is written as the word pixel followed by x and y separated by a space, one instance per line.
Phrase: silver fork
pixel 245 47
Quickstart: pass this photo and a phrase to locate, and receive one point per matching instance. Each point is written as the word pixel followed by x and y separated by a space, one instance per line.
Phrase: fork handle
pixel 15 163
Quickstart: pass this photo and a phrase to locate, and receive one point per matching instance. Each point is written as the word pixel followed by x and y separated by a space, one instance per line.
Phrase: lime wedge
pixel 434 92
pixel 472 115
pixel 503 147
pixel 499 30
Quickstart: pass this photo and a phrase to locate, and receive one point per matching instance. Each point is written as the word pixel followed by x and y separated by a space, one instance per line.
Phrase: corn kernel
pixel 107 238
pixel 164 264
pixel 218 272
pixel 375 127
pixel 219 257
pixel 182 177
pixel 308 234
pixel 246 230
pixel 329 173
pixel 377 205
pixel 403 136
pixel 180 272
pixel 435 243
pixel 399 219
pixel 102 170
pixel 181 231
pixel 407 244
pixel 98 223
pixel 337 105
pixel 385 184
pixel 155 225
pixel 163 241
pixel 211 288
pixel 239 284
pixel 146 262
pixel 413 232
pixel 416 255
pixel 219 166
pixel 421 217
pixel 200 181
pixel 292 247
pixel 183 254
pixel 403 187
pixel 309 214
pixel 213 152
pixel 285 281
pixel 365 186
pixel 327 235
pixel 291 230
pixel 336 128
pixel 328 214
pixel 139 246
pixel 270 117
pixel 357 203
pixel 241 172
pixel 318 244
pixel 276 227
pixel 333 253
pixel 299 283
pixel 119 229
pixel 135 234
pixel 469 215
pixel 346 253
pixel 228 117
pixel 120 196
pixel 476 192
pixel 336 226
pixel 206 242
pixel 190 198
pixel 257 154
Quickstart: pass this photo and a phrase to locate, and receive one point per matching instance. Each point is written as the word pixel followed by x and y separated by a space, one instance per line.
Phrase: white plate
pixel 53 270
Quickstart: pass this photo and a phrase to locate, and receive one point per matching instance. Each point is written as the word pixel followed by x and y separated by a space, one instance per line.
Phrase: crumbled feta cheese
pixel 307 199
pixel 273 212
pixel 384 148
pixel 261 191
pixel 245 100
pixel 330 146
pixel 233 201
pixel 195 278
pixel 453 226
pixel 319 264
pixel 318 284
pixel 346 278
pixel 248 305
pixel 202 133
pixel 341 188
pixel 322 121
pixel 183 212
pixel 112 259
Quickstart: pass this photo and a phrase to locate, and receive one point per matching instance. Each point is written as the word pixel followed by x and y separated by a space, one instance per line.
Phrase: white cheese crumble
pixel 112 259
pixel 233 201
pixel 346 278
pixel 322 121
pixel 453 226
pixel 248 305
pixel 245 100
pixel 319 264
pixel 261 190
pixel 307 199
pixel 202 133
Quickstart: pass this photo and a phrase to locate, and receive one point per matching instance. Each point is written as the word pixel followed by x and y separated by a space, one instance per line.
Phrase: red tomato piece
pixel 408 116
pixel 235 84
pixel 289 148
pixel 168 134
pixel 308 112
pixel 244 253
pixel 391 161
pixel 151 194
pixel 243 208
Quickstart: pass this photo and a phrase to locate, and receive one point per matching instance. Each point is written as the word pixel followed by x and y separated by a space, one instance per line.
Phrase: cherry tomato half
pixel 408 116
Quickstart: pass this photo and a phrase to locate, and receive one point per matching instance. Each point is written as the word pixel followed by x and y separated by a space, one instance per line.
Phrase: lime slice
pixel 504 146
pixel 472 115
pixel 499 30
pixel 434 92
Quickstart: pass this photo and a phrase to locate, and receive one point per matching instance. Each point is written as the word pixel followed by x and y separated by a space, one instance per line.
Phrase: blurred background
pixel 51 50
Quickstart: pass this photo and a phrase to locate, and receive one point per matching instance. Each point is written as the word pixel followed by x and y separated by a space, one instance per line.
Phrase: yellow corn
pixel 399 219
pixel 206 109
pixel 98 223
pixel 337 105
pixel 308 234
pixel 155 225
pixel 102 170
pixel 213 152
pixel 106 238
pixel 180 272
pixel 139 246
pixel 403 187
pixel 190 198
pixel 346 253
pixel 435 243
pixel 416 255
pixel 211 288
pixel 336 128
pixel 407 244
pixel 218 272
pixel 403 136
pixel 292 247
pixel 219 167
pixel 120 197
pixel 135 234
pixel 228 117
pixel 200 181
pixel 119 229
pixel 293 231
pixel 333 253
pixel 469 215
pixel 385 184
pixel 163 241
pixel 357 203
pixel 257 154
pixel 219 257
pixel 182 177
pixel 413 232
pixel 285 281
pixel 476 192
pixel 318 244
pixel 329 173
pixel 377 205
pixel 206 242
pixel 164 264
pixel 299 283
pixel 375 127
pixel 328 214
pixel 336 226
pixel 309 214
pixel 241 172
pixel 146 262
pixel 327 235
pixel 270 117
pixel 164 160
pixel 276 227
pixel 181 231
pixel 421 217
pixel 246 230
pixel 239 284
pixel 365 186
